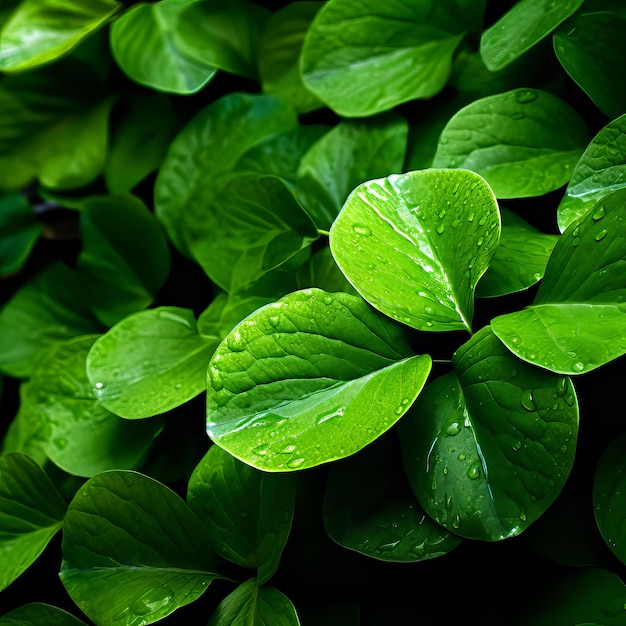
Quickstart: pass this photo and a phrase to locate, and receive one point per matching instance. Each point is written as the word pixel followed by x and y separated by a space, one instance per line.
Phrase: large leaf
pixel 524 142
pixel 600 170
pixel 31 513
pixel 365 57
pixel 133 552
pixel 309 379
pixel 20 230
pixel 415 245
pixel 520 28
pixel 150 47
pixel 149 362
pixel 577 321
pixel 253 605
pixel 40 31
pixel 246 512
pixel 36 613
pixel 488 447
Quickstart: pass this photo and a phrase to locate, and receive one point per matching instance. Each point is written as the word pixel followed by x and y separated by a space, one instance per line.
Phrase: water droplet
pixel 429 324
pixel 60 443
pixel 400 410
pixel 579 367
pixel 428 310
pixel 601 235
pixel 361 230
pixel 327 415
pixel 480 240
pixel 442 213
pixel 522 516
pixel 294 463
pixel 178 386
pixel 517 446
pixel 453 429
pixel 525 96
pixel 387 547
pixel 456 521
pixel 517 115
pixel 575 242
pixel 440 228
pixel 288 449
pixel 470 217
pixel 273 320
pixel 99 385
pixel 598 214
pixel 561 386
pixel 327 300
pixel 461 457
pixel 260 450
pixel 473 472
pixel 527 400
pixel 235 342
pixel 448 503
pixel 419 549
pixel 570 400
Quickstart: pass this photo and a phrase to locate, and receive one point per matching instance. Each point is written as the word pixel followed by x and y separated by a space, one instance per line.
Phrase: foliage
pixel 307 303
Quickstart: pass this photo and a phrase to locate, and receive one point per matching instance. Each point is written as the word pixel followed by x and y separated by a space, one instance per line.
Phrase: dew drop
pixel 328 415
pixel 473 473
pixel 453 429
pixel 601 235
pixel 525 96
pixel 517 446
pixel 527 400
pixel 178 386
pixel 598 214
pixel 428 310
pixel 456 521
pixel 461 457
pixel 440 228
pixel 260 450
pixel 575 242
pixel 419 549
pixel 448 503
pixel 273 320
pixel 561 386
pixel 442 213
pixel 60 443
pixel 579 367
pixel 470 217
pixel 288 449
pixel 294 463
pixel 361 230
pixel 235 342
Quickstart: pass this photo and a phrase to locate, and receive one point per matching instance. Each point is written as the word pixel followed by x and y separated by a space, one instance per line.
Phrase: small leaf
pixel 521 27
pixel 31 513
pixel 309 379
pixel 133 552
pixel 255 605
pixel 247 513
pixel 20 231
pixel 577 321
pixel 150 362
pixel 488 447
pixel 36 613
pixel 415 245
pixel 524 142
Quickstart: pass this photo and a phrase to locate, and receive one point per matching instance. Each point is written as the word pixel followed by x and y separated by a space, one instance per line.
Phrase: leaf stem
pixel 323 232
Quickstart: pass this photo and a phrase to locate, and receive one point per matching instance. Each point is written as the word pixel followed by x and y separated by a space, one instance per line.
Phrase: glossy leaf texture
pixel 247 513
pixel 149 362
pixel 608 486
pixel 133 552
pixel 600 170
pixel 255 605
pixel 311 378
pixel 35 613
pixel 351 153
pixel 41 31
pixel 151 49
pixel 520 259
pixel 415 245
pixel 60 414
pixel 524 142
pixel 376 514
pixel 592 50
pixel 20 229
pixel 31 513
pixel 488 447
pixel 525 24
pixel 363 57
pixel 577 321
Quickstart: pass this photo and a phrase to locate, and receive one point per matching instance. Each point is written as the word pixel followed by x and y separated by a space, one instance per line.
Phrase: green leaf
pixel 520 28
pixel 488 447
pixel 40 31
pixel 364 57
pixel 524 142
pixel 81 436
pixel 600 170
pixel 254 225
pixel 247 513
pixel 46 310
pixel 351 153
pixel 520 259
pixel 253 605
pixel 124 255
pixel 31 513
pixel 323 272
pixel 590 46
pixel 151 49
pixel 415 245
pixel 577 321
pixel 375 513
pixel 608 486
pixel 133 552
pixel 36 613
pixel 20 231
pixel 226 35
pixel 279 54
pixel 150 362
pixel 309 379
pixel 208 147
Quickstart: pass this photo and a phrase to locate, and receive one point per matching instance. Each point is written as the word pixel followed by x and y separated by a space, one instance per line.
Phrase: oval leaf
pixel 36 613
pixel 309 379
pixel 415 245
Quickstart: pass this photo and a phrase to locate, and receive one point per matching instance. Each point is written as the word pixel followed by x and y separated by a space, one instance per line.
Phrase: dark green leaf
pixel 524 142
pixel 309 379
pixel 247 513
pixel 323 272
pixel 37 613
pixel 20 231
pixel 133 552
pixel 488 447
pixel 31 513
pixel 415 245
pixel 150 362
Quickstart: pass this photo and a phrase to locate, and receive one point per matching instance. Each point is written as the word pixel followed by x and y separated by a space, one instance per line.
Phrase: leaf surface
pixel 20 230
pixel 36 613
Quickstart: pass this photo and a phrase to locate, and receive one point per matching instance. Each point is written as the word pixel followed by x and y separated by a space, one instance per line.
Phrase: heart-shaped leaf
pixel 311 378
pixel 415 245
pixel 577 321
pixel 488 447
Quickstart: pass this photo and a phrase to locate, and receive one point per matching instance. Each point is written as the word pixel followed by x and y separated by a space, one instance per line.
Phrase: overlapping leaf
pixel 20 229
pixel 36 613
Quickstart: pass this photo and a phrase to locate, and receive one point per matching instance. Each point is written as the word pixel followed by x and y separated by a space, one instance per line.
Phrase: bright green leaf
pixel 521 27
pixel 133 552
pixel 37 613
pixel 309 379
pixel 20 231
pixel 31 513
pixel 415 245
pixel 488 447
pixel 149 362
pixel 246 512
pixel 524 142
